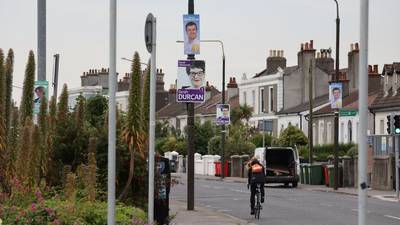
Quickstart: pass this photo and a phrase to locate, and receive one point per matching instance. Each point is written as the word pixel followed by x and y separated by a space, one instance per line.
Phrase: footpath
pixel 200 216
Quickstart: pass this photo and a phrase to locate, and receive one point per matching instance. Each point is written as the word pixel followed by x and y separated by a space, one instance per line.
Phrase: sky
pixel 78 30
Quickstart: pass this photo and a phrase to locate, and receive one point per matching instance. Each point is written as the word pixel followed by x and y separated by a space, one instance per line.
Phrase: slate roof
pixel 306 106
pixel 388 101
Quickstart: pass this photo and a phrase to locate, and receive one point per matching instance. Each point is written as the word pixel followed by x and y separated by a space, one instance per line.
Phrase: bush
pixel 292 136
pixel 322 152
pixel 257 140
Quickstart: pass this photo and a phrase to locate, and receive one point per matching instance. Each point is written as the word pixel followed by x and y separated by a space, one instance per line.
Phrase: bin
pixel 331 172
pixel 301 174
pixel 306 168
pixel 218 169
pixel 315 173
pixel 326 175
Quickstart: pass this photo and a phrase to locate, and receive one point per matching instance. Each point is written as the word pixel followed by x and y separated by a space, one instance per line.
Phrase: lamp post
pixel 223 100
pixel 336 114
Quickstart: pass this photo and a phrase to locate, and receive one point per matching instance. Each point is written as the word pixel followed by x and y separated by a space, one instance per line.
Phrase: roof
pixel 210 106
pixel 171 110
pixel 389 101
pixel 349 102
pixel 290 69
pixel 306 106
pixel 389 69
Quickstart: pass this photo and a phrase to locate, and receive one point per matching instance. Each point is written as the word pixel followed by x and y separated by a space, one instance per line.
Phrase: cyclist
pixel 256 175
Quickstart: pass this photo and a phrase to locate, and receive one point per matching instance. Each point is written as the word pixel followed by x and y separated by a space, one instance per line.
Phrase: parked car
pixel 282 164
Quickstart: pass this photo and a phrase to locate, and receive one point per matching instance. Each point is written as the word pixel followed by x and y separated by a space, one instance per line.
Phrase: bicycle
pixel 258 207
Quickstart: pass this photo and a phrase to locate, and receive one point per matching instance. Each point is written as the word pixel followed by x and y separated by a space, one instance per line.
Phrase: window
pixel 342 133
pixel 381 127
pixel 253 99
pixel 271 99
pixel 321 133
pixel 349 132
pixel 262 108
pixel 329 133
pixel 244 97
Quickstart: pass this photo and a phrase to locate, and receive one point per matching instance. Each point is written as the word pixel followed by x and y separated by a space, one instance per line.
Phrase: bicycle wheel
pixel 258 211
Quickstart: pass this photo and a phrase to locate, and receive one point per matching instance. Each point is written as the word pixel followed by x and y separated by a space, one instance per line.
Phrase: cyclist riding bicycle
pixel 256 175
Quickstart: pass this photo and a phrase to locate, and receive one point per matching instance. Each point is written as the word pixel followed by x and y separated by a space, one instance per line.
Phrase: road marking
pixel 224 210
pixel 393 217
pixel 323 204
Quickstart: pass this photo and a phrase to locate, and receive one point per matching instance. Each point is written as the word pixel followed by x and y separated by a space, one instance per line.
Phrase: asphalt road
pixel 287 206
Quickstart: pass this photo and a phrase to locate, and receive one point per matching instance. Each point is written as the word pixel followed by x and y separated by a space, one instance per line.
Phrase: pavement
pixel 200 216
pixel 226 202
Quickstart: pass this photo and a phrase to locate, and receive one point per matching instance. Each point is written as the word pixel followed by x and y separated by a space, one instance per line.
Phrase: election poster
pixel 191 34
pixel 41 89
pixel 223 114
pixel 191 81
pixel 335 95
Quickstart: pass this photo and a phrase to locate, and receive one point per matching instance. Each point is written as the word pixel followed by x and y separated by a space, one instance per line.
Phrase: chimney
pixel 232 87
pixel 325 62
pixel 275 61
pixel 160 81
pixel 345 83
pixel 374 79
pixel 353 66
pixel 172 93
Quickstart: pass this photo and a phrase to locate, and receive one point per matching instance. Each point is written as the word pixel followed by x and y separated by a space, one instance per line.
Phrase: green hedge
pixel 322 152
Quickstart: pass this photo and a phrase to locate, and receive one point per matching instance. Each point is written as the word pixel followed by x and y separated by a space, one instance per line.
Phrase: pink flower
pixel 33 207
pixel 56 222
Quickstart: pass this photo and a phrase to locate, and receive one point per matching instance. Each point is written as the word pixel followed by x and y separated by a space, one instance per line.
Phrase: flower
pixel 33 207
pixel 1 222
pixel 56 222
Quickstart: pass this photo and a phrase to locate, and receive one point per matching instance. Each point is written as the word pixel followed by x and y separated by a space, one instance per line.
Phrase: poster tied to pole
pixel 223 114
pixel 41 90
pixel 191 81
pixel 335 95
pixel 191 34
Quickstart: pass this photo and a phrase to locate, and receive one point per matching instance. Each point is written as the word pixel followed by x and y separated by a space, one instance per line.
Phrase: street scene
pixel 199 112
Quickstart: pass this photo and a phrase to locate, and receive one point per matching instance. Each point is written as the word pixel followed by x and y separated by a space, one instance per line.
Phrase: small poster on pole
pixel 223 114
pixel 191 34
pixel 335 95
pixel 41 90
pixel 191 81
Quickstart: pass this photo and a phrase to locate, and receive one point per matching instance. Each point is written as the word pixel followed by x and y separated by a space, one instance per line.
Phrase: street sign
pixel 348 112
pixel 223 114
pixel 148 32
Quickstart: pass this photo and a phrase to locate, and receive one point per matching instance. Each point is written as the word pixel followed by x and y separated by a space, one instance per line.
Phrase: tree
pixel 95 110
pixel 42 123
pixel 292 136
pixel 3 133
pixel 9 80
pixel 24 150
pixel 26 108
pixel 13 142
pixel 133 133
pixel 203 133
pixel 146 101
pixel 243 112
pixel 257 139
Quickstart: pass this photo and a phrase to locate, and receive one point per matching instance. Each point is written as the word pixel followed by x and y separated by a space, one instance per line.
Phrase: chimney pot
pixel 274 53
pixel 307 46
pixel 282 53
pixel 234 80
pixel 351 47
pixel 375 68
pixel 270 53
pixel 356 47
pixel 369 69
pixel 311 44
pixel 301 47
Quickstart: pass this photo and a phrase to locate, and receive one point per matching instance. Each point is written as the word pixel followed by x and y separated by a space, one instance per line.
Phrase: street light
pixel 130 60
pixel 223 99
pixel 336 114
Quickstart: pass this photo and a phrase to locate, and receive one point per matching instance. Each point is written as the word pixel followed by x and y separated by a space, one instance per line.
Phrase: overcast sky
pixel 78 31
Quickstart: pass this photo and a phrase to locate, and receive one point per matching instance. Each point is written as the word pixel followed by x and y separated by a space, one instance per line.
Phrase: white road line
pixel 393 217
pixel 224 210
pixel 324 204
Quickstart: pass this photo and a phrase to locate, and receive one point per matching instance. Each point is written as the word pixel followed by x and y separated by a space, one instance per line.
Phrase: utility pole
pixel 310 119
pixel 363 110
pixel 336 113
pixel 41 29
pixel 150 39
pixel 55 76
pixel 223 125
pixel 190 126
pixel 112 81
